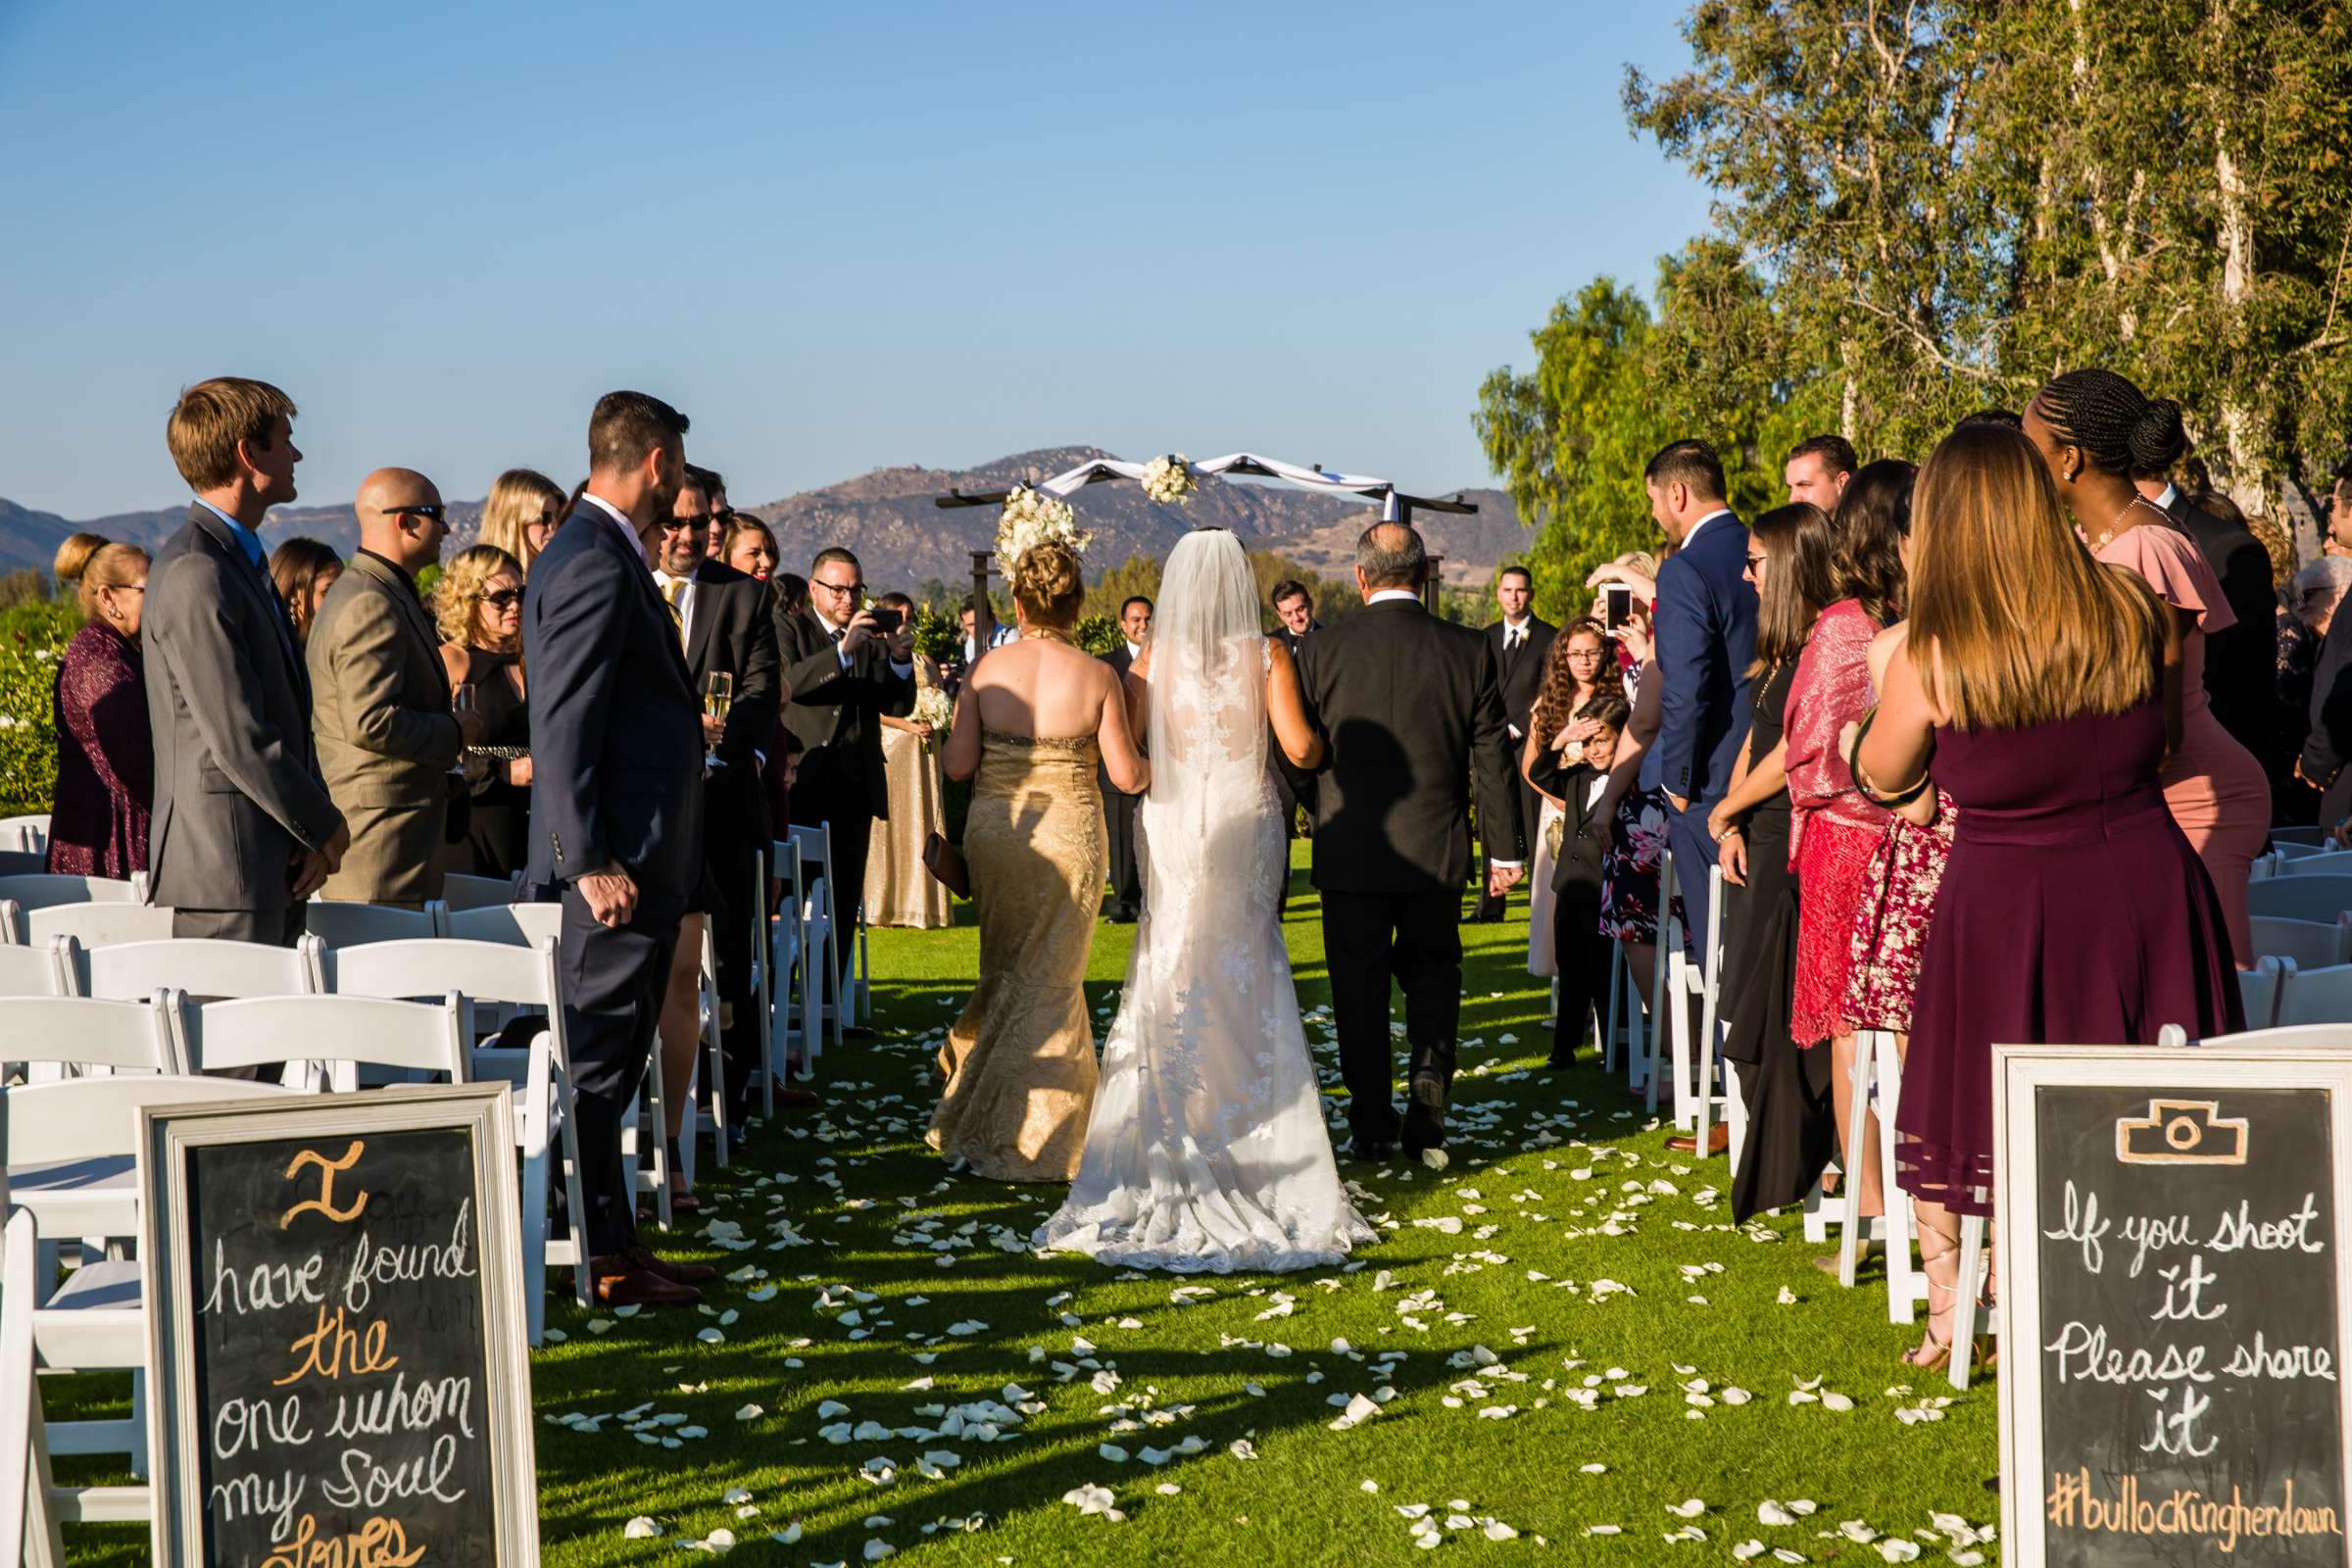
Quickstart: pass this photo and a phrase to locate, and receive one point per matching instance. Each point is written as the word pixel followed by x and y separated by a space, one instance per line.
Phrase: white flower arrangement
pixel 933 707
pixel 1033 517
pixel 1169 480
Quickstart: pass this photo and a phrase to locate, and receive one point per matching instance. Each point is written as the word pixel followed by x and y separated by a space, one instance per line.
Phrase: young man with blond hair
pixel 244 831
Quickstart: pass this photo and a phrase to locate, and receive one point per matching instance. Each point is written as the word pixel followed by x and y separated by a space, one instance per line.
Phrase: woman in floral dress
pixel 1636 835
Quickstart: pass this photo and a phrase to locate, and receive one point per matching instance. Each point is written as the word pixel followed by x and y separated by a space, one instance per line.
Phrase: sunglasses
pixel 504 599
pixel 1753 561
pixel 437 511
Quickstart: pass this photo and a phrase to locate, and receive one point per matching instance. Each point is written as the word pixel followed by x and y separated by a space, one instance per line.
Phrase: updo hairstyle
pixel 1048 586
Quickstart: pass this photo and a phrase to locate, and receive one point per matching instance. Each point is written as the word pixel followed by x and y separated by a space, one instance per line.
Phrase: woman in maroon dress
pixel 2073 909
pixel 105 751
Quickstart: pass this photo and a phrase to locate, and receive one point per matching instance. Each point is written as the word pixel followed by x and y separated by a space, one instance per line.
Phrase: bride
pixel 1206 1150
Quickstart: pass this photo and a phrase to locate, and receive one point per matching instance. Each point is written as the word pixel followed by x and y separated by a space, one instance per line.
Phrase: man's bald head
pixel 401 517
pixel 1390 554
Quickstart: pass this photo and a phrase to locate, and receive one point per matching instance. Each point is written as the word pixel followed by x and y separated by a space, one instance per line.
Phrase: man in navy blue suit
pixel 1704 638
pixel 616 804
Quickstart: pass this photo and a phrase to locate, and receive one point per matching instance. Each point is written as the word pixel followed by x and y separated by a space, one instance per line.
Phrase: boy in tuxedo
pixel 1577 777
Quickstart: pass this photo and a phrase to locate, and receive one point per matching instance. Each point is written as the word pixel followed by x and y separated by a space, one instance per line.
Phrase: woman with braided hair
pixel 2094 430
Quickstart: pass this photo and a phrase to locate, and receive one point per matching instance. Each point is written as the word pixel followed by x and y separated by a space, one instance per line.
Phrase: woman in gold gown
pixel 898 891
pixel 1035 717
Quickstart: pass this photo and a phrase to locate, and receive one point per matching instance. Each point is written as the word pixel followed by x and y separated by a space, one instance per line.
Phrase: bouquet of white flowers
pixel 1033 517
pixel 933 707
pixel 1169 480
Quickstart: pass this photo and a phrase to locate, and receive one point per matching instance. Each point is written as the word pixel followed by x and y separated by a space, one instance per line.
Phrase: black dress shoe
pixel 1372 1149
pixel 1424 1115
pixel 856 1031
pixel 1123 914
pixel 1559 1064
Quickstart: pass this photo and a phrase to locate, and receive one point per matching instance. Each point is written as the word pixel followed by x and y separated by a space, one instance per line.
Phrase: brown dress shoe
pixel 662 1268
pixel 622 1283
pixel 1719 1138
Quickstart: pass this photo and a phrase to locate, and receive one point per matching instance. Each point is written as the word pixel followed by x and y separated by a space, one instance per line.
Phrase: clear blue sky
pixel 837 236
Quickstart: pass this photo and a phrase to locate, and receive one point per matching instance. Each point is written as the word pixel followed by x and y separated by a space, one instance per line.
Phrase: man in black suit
pixel 1521 640
pixel 616 805
pixel 1119 809
pixel 1293 787
pixel 724 625
pixel 2241 662
pixel 844 674
pixel 244 829
pixel 1411 708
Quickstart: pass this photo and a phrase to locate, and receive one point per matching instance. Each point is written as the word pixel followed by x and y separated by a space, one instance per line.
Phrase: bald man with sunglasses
pixel 380 699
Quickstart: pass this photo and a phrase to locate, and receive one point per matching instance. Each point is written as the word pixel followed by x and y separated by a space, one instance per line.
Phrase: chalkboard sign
pixel 337 1332
pixel 2172 1240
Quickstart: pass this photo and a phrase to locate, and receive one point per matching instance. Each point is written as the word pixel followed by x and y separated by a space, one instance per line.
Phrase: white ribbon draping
pixel 1069 484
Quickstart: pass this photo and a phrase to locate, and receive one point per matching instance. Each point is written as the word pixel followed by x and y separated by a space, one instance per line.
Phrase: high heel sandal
pixel 1935 1352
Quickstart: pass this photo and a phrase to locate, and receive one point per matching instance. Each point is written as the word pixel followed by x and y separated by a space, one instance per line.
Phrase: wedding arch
pixel 1175 471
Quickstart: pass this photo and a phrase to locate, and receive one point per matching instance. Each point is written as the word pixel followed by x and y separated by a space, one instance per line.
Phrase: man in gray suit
pixel 380 699
pixel 244 830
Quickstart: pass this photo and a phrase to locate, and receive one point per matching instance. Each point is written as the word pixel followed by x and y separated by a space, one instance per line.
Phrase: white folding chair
pixel 824 951
pixel 41 971
pixel 2259 989
pixel 27 1515
pixel 1854 1227
pixel 208 968
pixel 2319 863
pixel 2284 851
pixel 463 892
pixel 762 999
pixel 791 966
pixel 29 833
pixel 1696 1055
pixel 2301 898
pixel 2282 1037
pixel 96 1320
pixel 2280 837
pixel 88 1037
pixel 2310 943
pixel 347 926
pixel 2303 996
pixel 47 888
pixel 331 1035
pixel 1662 972
pixel 516 976
pixel 523 926
pixel 98 925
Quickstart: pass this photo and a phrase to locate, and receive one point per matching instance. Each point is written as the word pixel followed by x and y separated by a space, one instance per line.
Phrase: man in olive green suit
pixel 380 699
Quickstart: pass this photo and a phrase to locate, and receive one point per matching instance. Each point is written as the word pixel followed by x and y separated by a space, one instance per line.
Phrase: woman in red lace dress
pixel 105 751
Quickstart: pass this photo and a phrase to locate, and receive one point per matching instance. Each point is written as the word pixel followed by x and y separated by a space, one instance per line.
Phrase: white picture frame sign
pixel 379 1279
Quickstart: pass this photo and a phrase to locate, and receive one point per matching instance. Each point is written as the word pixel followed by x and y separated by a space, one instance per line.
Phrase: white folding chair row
pixel 2311 837
pixel 29 833
pixel 28 902
pixel 29 1516
pixel 504 971
pixel 2310 944
pixel 95 1320
pixel 2301 898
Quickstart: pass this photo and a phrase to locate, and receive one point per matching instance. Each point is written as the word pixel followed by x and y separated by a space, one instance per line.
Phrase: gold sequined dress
pixel 1020 1061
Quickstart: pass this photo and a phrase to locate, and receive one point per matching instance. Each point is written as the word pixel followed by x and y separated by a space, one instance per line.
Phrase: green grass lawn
pixel 1481 1321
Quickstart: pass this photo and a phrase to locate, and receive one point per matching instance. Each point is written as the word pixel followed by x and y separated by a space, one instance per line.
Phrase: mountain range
pixel 901 539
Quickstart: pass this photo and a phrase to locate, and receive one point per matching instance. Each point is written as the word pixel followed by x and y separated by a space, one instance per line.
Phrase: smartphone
pixel 1616 606
pixel 886 620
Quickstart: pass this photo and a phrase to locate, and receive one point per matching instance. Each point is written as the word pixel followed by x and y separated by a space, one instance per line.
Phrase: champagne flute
pixel 719 694
pixel 461 702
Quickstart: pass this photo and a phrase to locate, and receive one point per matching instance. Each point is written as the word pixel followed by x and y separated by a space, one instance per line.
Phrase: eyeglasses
pixel 504 599
pixel 1584 653
pixel 840 588
pixel 1753 561
pixel 438 512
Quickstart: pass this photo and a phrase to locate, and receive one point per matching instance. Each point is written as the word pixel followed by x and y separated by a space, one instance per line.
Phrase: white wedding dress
pixel 1207 1151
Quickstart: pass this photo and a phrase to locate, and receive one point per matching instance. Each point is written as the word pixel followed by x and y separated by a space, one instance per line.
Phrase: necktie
pixel 671 593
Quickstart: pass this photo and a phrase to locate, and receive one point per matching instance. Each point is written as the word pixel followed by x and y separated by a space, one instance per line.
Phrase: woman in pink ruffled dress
pixel 2098 433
